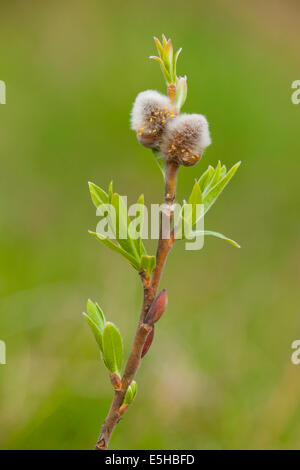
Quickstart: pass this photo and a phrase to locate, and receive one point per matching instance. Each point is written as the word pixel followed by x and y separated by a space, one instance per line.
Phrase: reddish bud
pixel 148 342
pixel 157 308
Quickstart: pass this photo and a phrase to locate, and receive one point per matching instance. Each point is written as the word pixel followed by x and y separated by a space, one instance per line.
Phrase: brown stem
pixel 165 243
pixel 170 182
pixel 117 408
pixel 131 369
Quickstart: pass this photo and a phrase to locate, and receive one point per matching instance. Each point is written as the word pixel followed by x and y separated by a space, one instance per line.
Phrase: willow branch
pixel 150 287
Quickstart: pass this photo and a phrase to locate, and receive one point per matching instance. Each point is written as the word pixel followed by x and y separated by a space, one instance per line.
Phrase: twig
pixel 150 287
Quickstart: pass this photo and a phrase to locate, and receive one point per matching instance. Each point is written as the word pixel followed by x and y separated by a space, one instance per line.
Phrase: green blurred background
pixel 219 375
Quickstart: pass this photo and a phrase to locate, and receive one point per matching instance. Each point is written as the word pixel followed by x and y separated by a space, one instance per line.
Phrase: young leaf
pixel 217 235
pixel 118 249
pixel 110 191
pixel 214 179
pixel 168 58
pixel 112 345
pixel 101 314
pixel 164 40
pixel 98 195
pixel 206 177
pixel 210 198
pixel 195 199
pixel 122 223
pixel 196 195
pixel 148 264
pixel 96 314
pixel 189 213
pixel 96 320
pixel 181 92
pixel 183 222
pixel 163 68
pixel 223 171
pixel 140 244
pixel 95 329
pixel 175 60
pixel 158 46
pixel 131 393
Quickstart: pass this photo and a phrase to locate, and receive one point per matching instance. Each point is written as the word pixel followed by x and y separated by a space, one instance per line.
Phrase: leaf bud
pixel 148 342
pixel 157 308
pixel 130 394
pixel 181 92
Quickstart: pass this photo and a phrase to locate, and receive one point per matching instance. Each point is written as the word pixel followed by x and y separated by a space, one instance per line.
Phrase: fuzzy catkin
pixel 150 113
pixel 185 138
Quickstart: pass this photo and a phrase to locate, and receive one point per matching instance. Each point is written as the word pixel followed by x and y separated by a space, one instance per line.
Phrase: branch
pixel 150 287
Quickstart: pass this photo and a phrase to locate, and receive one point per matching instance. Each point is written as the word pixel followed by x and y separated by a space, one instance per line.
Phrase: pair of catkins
pixel 180 138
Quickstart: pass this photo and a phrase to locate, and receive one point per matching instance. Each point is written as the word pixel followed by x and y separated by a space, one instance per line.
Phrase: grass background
pixel 219 374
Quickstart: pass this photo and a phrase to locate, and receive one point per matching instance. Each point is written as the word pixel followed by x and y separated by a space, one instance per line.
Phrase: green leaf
pixel 148 264
pixel 195 199
pixel 217 235
pixel 131 393
pixel 112 345
pixel 223 171
pixel 141 248
pixel 185 219
pixel 164 40
pixel 214 179
pixel 96 314
pixel 96 320
pixel 95 329
pixel 175 60
pixel 158 46
pixel 164 70
pixel 110 191
pixel 122 225
pixel 98 195
pixel 210 198
pixel 206 177
pixel 188 214
pixel 196 195
pixel 168 58
pixel 181 92
pixel 118 249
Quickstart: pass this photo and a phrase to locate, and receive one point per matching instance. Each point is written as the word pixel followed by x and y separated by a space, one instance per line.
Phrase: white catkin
pixel 149 116
pixel 145 103
pixel 185 138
